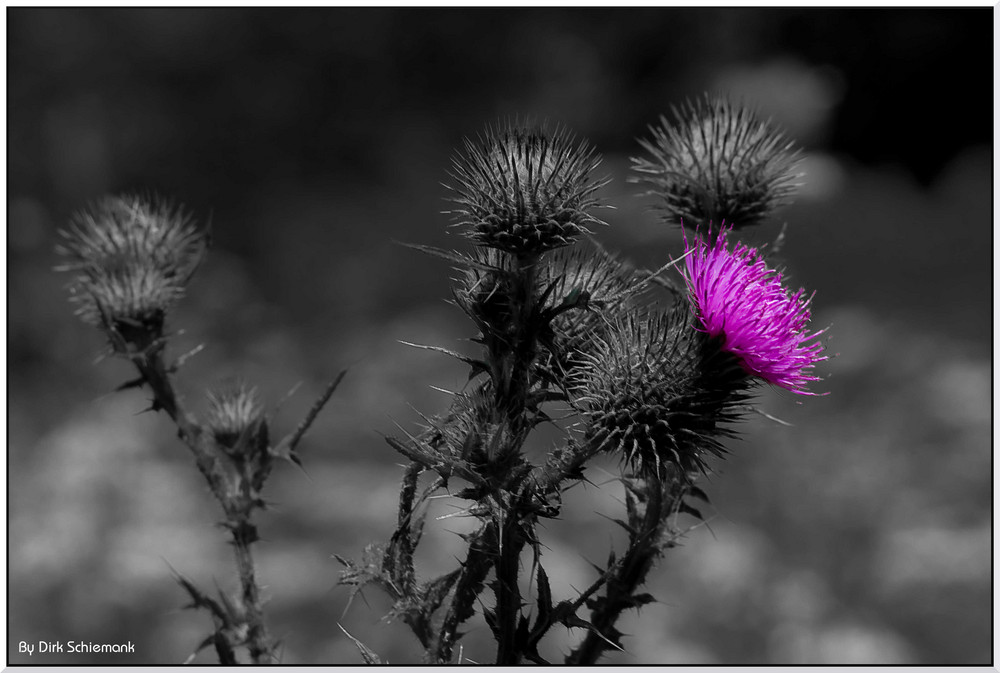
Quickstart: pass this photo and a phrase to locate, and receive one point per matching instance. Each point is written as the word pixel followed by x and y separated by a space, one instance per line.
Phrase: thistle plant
pixel 569 331
pixel 648 369
pixel 131 259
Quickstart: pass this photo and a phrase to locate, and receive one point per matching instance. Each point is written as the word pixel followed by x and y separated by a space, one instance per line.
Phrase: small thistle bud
pixel 716 163
pixel 132 259
pixel 658 392
pixel 578 288
pixel 474 436
pixel 235 416
pixel 742 303
pixel 525 191
pixel 483 289
pixel 586 287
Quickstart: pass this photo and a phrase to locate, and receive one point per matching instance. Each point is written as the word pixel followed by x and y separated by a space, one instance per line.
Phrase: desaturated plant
pixel 131 258
pixel 649 367
pixel 565 326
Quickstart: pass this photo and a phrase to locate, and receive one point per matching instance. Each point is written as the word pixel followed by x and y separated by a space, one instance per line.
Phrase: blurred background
pixel 312 139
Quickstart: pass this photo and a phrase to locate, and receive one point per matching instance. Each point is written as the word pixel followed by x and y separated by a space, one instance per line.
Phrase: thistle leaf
pixel 366 653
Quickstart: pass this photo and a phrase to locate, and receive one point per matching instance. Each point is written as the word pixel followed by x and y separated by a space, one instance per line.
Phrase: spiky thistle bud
pixel 659 393
pixel 132 258
pixel 524 190
pixel 130 227
pixel 235 416
pixel 474 438
pixel 742 303
pixel 716 163
pixel 586 287
pixel 483 289
pixel 577 288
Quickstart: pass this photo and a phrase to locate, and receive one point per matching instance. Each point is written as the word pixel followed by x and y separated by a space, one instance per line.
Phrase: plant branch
pixel 475 568
pixel 624 578
pixel 235 497
pixel 289 443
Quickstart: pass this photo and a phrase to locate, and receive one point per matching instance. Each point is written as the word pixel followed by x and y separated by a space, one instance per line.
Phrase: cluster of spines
pixel 595 283
pixel 716 163
pixel 235 414
pixel 658 392
pixel 579 287
pixel 131 258
pixel 524 190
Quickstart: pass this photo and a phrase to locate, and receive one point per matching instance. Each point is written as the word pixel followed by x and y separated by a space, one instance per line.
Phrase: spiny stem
pixel 475 568
pixel 238 504
pixel 258 641
pixel 625 580
pixel 508 594
pixel 154 372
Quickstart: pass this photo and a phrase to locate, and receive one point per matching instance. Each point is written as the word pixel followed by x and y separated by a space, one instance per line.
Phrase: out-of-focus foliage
pixel 313 138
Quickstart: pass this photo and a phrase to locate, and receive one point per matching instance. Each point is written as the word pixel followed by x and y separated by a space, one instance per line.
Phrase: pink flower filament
pixel 740 300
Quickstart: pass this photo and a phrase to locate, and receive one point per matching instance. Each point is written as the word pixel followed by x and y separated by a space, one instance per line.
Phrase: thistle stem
pixel 508 594
pixel 258 641
pixel 476 567
pixel 154 372
pixel 236 502
pixel 630 574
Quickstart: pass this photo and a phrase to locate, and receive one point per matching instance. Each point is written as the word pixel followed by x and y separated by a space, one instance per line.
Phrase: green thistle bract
pixel 715 163
pixel 659 393
pixel 523 190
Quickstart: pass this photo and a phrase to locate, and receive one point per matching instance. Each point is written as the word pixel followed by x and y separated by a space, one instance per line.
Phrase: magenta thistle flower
pixel 741 301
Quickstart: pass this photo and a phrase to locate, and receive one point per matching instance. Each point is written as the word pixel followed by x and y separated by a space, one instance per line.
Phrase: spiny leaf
pixel 698 493
pixel 437 590
pixel 544 597
pixel 477 365
pixel 366 653
pixel 199 599
pixel 455 257
pixel 685 508
pixel 222 649
pixel 133 383
pixel 291 441
pixel 491 621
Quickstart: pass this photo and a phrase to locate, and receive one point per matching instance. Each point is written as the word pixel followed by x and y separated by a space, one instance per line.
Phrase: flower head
pixel 658 392
pixel 234 413
pixel 524 190
pixel 132 259
pixel 715 162
pixel 742 302
pixel 129 227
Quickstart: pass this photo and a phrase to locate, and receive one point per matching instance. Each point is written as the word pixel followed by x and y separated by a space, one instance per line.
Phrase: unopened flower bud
pixel 714 163
pixel 523 190
pixel 659 393
pixel 235 415
pixel 132 259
